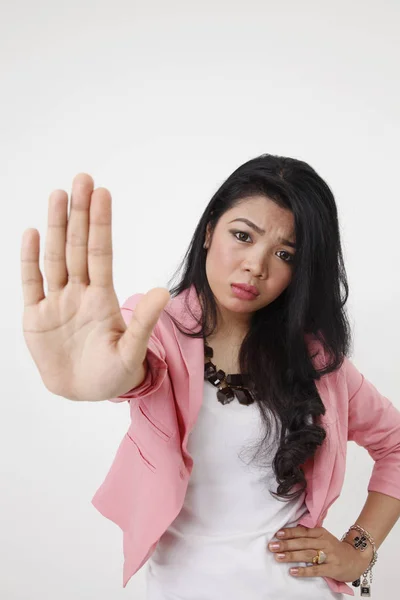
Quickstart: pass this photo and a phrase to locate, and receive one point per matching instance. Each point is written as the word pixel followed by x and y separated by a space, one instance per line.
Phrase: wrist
pixel 363 557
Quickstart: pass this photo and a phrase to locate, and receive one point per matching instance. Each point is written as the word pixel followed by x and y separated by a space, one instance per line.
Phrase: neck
pixel 232 339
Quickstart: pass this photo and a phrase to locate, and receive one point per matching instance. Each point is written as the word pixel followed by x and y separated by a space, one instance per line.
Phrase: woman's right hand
pixel 76 334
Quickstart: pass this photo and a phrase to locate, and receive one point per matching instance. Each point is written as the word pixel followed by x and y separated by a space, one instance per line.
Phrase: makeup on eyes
pixel 260 231
pixel 236 231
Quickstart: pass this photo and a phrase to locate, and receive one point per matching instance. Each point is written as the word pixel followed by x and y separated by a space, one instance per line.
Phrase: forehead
pixel 263 212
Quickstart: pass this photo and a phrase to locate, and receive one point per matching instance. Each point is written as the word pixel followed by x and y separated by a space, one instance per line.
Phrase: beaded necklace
pixel 230 385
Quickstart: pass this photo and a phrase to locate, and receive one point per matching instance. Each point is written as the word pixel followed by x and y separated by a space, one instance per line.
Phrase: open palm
pixel 76 334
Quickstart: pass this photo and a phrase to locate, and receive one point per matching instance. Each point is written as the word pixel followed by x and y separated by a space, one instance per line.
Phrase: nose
pixel 257 268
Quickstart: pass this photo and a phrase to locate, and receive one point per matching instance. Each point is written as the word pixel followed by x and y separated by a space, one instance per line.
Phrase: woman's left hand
pixel 343 561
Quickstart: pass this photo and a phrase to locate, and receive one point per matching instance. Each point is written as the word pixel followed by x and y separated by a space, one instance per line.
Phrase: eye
pixel 290 258
pixel 243 232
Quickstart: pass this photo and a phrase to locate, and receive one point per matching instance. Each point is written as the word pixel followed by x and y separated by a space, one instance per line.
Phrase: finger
pixel 31 276
pixel 77 229
pixel 147 313
pixel 136 339
pixel 296 556
pixel 100 253
pixel 314 571
pixel 298 544
pixel 299 531
pixel 55 268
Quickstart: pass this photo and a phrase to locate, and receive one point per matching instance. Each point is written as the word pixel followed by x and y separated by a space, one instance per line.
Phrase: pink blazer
pixel 144 490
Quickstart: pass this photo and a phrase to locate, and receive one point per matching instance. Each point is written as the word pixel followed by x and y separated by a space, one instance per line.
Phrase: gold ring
pixel 319 558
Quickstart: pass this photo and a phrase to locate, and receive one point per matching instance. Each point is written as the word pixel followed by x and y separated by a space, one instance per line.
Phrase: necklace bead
pixel 230 385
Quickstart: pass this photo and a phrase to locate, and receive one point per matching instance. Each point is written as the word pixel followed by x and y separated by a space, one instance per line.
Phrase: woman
pixel 263 274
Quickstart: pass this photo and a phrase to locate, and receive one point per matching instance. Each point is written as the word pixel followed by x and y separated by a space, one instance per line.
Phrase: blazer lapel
pixel 192 352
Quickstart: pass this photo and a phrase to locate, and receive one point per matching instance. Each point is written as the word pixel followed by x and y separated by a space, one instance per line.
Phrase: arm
pixel 374 423
pixel 378 516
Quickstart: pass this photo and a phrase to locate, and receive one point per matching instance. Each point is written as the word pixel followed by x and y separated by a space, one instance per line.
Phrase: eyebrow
pixel 262 231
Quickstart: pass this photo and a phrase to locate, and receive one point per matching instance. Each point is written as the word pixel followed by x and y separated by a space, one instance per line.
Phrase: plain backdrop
pixel 160 102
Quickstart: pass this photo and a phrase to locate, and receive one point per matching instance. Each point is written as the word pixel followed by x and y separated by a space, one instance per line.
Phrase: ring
pixel 319 558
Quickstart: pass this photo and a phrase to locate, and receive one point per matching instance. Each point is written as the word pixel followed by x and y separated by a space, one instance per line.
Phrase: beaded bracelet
pixel 359 542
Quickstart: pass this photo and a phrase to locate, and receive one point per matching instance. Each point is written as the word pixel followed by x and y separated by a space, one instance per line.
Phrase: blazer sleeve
pixel 155 356
pixel 374 423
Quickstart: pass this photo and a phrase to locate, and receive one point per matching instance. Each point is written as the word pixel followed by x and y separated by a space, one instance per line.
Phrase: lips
pixel 247 288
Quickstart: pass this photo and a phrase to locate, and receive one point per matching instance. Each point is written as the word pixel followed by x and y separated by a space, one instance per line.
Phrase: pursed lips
pixel 247 288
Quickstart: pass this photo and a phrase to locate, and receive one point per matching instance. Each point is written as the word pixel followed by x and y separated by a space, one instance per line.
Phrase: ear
pixel 208 236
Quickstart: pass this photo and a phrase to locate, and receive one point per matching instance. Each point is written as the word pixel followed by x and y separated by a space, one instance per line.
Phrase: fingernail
pixel 280 534
pixel 293 571
pixel 274 546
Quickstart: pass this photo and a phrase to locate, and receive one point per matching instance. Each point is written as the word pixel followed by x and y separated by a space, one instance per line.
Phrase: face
pixel 240 253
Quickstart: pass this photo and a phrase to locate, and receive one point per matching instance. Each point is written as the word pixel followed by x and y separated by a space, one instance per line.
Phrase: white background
pixel 160 102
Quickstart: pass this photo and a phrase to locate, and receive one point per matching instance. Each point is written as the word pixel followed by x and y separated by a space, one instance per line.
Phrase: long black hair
pixel 274 351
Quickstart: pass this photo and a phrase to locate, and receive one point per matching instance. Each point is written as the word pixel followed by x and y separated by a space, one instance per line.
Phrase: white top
pixel 216 548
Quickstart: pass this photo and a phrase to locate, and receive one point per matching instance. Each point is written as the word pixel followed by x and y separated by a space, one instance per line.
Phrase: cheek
pixel 220 267
pixel 221 257
pixel 276 282
pixel 282 280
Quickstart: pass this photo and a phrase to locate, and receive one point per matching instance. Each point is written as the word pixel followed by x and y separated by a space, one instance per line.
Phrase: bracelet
pixel 359 543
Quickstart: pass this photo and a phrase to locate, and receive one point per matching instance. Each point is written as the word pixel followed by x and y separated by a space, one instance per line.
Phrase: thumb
pixel 143 320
